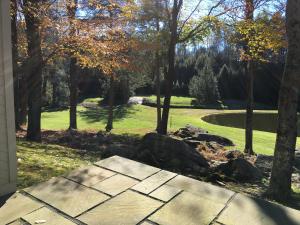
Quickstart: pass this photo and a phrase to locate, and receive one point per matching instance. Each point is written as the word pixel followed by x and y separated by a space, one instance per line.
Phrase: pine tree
pixel 204 86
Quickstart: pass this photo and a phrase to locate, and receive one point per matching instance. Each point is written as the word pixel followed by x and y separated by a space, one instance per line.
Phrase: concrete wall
pixel 7 127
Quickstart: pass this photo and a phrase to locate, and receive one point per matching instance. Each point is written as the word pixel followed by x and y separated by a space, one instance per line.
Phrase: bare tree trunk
pixel 109 125
pixel 23 99
pixel 157 73
pixel 34 79
pixel 15 62
pixel 280 184
pixel 55 92
pixel 168 91
pixel 171 71
pixel 249 113
pixel 157 84
pixel 249 14
pixel 73 94
pixel 72 8
pixel 44 90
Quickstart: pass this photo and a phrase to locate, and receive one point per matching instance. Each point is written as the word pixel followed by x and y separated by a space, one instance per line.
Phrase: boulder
pixel 240 170
pixel 189 131
pixel 264 163
pixel 213 138
pixel 169 153
pixel 193 143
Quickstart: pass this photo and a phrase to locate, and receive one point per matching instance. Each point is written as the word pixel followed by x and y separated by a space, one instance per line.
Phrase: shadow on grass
pixel 98 114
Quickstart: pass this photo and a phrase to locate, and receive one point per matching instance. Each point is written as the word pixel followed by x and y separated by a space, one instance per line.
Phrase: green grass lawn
pixel 178 101
pixel 40 162
pixel 138 119
pixel 175 100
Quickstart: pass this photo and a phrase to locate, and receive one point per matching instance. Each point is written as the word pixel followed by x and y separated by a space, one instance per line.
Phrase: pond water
pixel 261 121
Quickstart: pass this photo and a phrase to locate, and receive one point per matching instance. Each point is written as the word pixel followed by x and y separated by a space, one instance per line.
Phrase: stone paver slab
pixel 165 193
pixel 115 184
pixel 46 217
pixel 146 223
pixel 16 206
pixel 251 211
pixel 151 183
pixel 67 196
pixel 128 208
pixel 90 175
pixel 128 167
pixel 18 222
pixel 188 209
pixel 206 190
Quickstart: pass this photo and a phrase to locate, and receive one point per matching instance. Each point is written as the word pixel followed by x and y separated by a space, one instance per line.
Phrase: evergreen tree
pixel 204 86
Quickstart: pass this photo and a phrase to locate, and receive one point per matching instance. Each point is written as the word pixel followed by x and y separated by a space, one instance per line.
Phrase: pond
pixel 261 121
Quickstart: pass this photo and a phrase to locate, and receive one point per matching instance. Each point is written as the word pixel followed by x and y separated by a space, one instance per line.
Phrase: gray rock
pixel 189 131
pixel 192 143
pixel 264 163
pixel 193 135
pixel 170 153
pixel 214 138
pixel 240 170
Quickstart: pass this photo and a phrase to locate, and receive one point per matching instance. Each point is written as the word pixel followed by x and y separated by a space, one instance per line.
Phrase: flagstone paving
pixel 257 211
pixel 165 193
pixel 115 184
pixel 205 190
pixel 151 183
pixel 128 167
pixel 17 206
pixel 146 223
pixel 90 175
pixel 44 215
pixel 67 196
pixel 125 209
pixel 18 222
pixel 119 191
pixel 187 208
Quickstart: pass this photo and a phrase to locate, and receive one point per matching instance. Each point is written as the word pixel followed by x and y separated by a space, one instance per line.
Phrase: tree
pixel 73 82
pixel 34 76
pixel 249 15
pixel 110 118
pixel 181 31
pixel 108 44
pixel 173 39
pixel 256 38
pixel 15 61
pixel 39 51
pixel 204 86
pixel 153 22
pixel 280 183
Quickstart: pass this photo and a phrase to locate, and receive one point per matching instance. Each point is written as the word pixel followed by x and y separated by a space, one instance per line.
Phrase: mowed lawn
pixel 39 162
pixel 139 119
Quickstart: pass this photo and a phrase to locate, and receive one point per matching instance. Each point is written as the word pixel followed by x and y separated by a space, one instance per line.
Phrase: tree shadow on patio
pixel 276 213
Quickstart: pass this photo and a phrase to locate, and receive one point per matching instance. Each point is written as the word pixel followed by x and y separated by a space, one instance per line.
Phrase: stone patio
pixel 119 191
